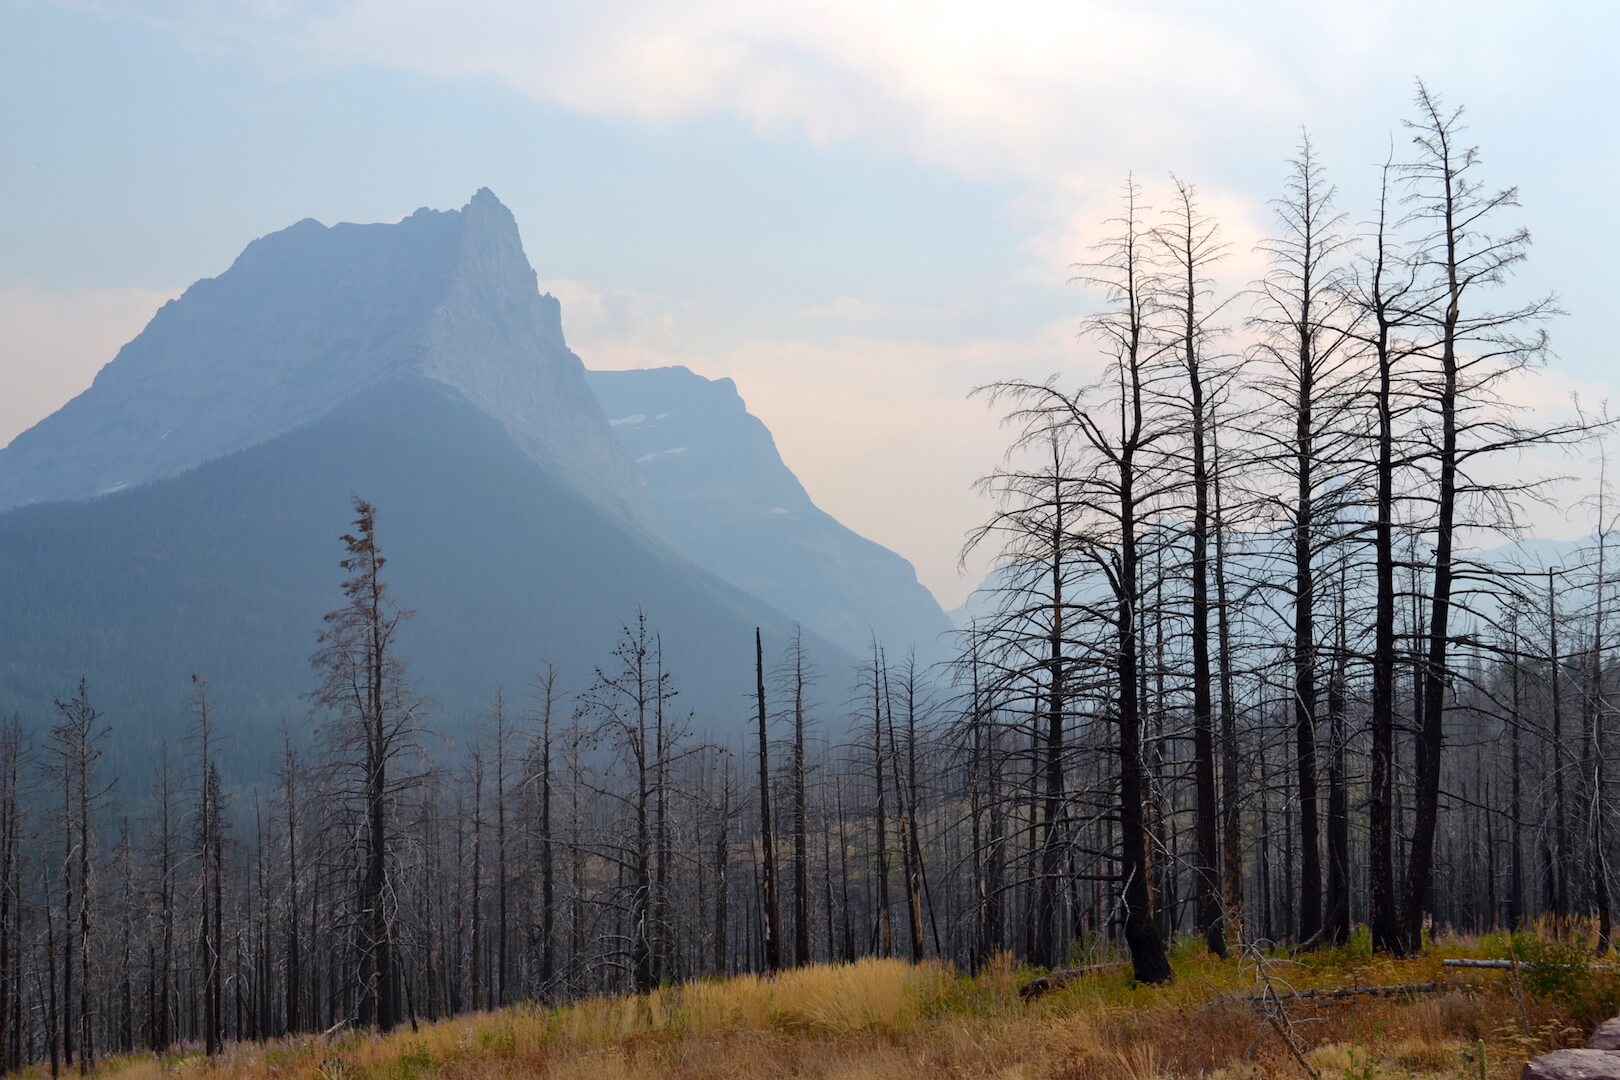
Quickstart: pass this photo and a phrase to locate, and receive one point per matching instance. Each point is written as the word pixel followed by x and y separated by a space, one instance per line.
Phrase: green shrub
pixel 1561 973
pixel 1556 971
pixel 1355 953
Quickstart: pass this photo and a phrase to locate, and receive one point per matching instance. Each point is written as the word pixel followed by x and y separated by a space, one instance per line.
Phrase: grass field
pixel 886 1018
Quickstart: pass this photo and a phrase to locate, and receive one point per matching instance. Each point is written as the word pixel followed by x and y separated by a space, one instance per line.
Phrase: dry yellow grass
pixel 894 1020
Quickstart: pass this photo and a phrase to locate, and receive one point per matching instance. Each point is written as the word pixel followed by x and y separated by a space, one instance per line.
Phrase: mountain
pixel 183 513
pixel 309 317
pixel 226 570
pixel 726 499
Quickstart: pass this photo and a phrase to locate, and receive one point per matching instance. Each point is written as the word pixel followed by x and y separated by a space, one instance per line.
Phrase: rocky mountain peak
pixel 305 318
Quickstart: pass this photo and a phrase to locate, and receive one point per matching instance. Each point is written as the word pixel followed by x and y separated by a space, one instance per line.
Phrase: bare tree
pixel 362 682
pixel 77 737
pixel 772 925
pixel 1474 350
pixel 1117 426
pixel 1309 385
pixel 1192 245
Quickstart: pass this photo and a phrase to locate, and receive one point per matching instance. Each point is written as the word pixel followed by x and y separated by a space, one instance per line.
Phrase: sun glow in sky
pixel 858 211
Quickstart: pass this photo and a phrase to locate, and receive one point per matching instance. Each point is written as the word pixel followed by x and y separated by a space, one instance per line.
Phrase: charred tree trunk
pixel 771 928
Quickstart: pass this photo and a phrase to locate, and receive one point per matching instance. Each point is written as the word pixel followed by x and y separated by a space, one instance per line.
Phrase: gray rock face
pixel 1600 1060
pixel 726 499
pixel 1573 1065
pixel 303 320
pixel 1607 1036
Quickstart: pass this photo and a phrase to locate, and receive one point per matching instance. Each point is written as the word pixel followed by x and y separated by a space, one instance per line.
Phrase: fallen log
pixel 1522 965
pixel 1397 990
pixel 1059 978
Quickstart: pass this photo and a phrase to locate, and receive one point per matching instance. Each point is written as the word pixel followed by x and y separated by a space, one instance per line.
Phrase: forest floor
pixel 887 1018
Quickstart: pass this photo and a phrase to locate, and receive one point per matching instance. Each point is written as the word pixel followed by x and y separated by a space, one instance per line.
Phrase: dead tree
pixel 362 684
pixel 546 687
pixel 1379 290
pixel 294 913
pixel 624 702
pixel 772 915
pixel 77 738
pixel 1306 380
pixel 1117 429
pixel 1471 351
pixel 801 842
pixel 1191 246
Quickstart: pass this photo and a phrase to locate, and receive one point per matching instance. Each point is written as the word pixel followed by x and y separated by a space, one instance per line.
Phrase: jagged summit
pixel 304 319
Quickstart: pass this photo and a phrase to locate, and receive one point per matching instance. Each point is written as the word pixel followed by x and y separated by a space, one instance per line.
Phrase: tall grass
pixel 886 1018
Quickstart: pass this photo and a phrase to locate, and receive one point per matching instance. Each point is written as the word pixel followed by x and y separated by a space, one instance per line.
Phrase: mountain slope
pixel 728 501
pixel 227 569
pixel 310 316
pixel 182 514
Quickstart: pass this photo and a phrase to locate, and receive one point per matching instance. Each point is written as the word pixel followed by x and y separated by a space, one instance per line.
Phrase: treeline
pixel 1234 676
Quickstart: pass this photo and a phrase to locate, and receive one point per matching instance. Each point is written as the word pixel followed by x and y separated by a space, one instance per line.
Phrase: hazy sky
pixel 856 210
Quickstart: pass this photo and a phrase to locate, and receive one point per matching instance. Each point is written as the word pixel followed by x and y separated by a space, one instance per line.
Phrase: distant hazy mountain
pixel 305 319
pixel 227 569
pixel 727 500
pixel 183 513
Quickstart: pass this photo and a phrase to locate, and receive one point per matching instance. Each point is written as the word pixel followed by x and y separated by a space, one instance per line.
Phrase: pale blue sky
pixel 857 211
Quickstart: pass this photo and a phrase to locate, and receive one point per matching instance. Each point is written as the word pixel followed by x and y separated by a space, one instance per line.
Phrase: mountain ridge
pixel 183 511
pixel 227 569
pixel 719 486
pixel 306 317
